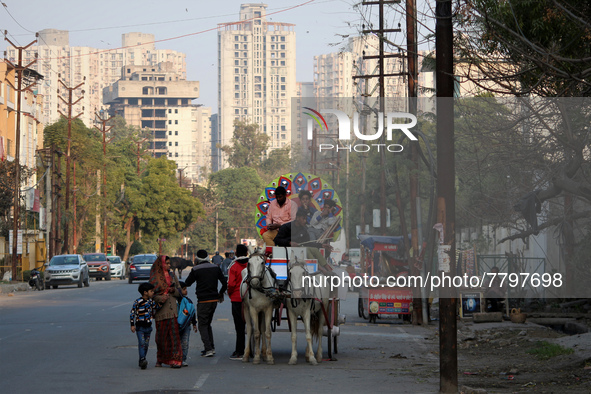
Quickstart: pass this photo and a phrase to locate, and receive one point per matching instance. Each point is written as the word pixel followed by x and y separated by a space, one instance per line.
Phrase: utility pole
pixel 75 242
pixel 69 104
pixel 21 72
pixel 57 193
pixel 412 60
pixel 446 210
pixel 381 33
pixel 181 175
pixel 104 130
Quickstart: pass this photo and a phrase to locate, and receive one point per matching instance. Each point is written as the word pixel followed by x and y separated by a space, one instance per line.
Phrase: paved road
pixel 71 340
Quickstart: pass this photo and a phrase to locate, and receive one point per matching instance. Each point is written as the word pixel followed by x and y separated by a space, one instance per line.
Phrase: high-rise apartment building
pixel 159 99
pixel 31 120
pixel 97 68
pixel 257 75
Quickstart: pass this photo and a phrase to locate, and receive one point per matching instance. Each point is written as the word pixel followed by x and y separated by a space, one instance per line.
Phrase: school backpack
pixel 186 312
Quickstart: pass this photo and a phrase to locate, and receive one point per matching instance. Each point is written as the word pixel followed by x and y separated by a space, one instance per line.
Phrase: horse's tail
pixel 315 326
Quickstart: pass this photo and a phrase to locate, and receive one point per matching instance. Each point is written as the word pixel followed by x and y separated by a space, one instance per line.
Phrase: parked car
pixel 98 265
pixel 118 269
pixel 140 266
pixel 66 269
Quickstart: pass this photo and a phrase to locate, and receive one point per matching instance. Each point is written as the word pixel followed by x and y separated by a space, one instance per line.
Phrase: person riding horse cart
pixel 383 257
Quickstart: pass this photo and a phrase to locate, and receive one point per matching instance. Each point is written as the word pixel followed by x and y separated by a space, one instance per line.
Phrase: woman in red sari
pixel 166 292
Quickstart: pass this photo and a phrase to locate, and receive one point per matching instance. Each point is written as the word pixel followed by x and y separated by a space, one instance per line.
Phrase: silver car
pixel 66 269
pixel 117 267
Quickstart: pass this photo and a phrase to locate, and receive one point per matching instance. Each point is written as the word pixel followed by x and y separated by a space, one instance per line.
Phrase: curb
pixel 11 288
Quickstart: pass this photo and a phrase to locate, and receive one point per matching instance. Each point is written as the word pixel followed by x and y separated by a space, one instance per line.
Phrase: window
pixel 176 154
pixel 236 79
pixel 236 111
pixel 236 54
pixel 176 133
pixel 176 144
pixel 170 111
pixel 236 62
pixel 147 90
pixel 170 122
pixel 236 46
pixel 170 144
pixel 176 122
pixel 170 132
pixel 236 71
pixel 147 113
pixel 176 110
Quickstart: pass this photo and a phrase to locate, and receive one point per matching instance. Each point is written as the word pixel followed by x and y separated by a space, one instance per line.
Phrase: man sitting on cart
pixel 281 210
pixel 296 234
pixel 322 220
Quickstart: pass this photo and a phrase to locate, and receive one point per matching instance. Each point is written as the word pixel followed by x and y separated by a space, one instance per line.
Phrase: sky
pixel 190 26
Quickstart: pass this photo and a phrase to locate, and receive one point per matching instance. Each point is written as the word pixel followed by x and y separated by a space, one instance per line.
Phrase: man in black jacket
pixel 296 234
pixel 207 275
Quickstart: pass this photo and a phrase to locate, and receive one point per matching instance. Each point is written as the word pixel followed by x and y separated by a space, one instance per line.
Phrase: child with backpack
pixel 141 316
pixel 186 318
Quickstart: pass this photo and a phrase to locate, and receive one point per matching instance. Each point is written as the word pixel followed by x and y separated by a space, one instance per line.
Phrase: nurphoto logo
pixel 393 122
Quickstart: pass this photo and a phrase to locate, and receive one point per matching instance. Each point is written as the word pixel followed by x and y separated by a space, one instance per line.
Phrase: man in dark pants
pixel 206 275
pixel 234 282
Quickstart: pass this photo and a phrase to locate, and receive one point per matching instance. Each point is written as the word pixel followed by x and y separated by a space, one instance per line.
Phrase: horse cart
pixel 381 257
pixel 285 279
pixel 279 260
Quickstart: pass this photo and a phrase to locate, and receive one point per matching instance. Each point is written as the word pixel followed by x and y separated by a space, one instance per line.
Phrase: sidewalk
pixel 11 288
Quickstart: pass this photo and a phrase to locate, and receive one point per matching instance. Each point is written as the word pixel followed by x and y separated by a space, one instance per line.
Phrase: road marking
pixel 223 319
pixel 201 381
pixel 120 305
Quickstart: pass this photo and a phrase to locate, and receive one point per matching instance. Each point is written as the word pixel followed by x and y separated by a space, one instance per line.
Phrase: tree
pixel 169 209
pixel 541 49
pixel 248 146
pixel 236 190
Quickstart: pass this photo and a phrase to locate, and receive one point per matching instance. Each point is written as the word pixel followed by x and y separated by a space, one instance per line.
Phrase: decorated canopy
pixel 294 183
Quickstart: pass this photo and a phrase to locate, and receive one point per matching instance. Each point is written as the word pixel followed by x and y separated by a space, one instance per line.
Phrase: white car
pixel 117 267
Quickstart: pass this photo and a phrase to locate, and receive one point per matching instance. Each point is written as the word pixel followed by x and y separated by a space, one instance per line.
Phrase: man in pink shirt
pixel 281 211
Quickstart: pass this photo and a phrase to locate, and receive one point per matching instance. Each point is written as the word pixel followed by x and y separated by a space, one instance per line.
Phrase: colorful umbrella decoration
pixel 294 183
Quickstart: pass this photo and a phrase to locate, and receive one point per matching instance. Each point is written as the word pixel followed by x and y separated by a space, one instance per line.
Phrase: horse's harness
pixel 270 291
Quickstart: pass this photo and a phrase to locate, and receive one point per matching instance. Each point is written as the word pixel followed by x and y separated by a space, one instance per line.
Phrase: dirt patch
pixel 501 360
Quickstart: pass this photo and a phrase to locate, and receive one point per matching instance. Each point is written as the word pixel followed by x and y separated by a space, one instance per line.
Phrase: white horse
pixel 308 302
pixel 256 279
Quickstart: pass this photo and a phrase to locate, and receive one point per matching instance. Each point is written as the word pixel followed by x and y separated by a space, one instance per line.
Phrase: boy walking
pixel 141 315
pixel 186 319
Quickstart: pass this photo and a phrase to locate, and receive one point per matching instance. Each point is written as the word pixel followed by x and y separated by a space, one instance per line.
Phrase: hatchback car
pixel 67 269
pixel 98 265
pixel 140 266
pixel 118 268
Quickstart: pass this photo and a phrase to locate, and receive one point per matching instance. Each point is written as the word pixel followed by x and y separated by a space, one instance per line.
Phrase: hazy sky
pixel 190 26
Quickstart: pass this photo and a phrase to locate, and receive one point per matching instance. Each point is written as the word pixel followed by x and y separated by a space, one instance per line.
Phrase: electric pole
pixel 67 244
pixel 381 34
pixel 104 130
pixel 446 210
pixel 412 61
pixel 21 73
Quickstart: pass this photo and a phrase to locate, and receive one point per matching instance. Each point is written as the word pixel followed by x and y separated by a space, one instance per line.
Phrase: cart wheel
pixel 274 319
pixel 336 349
